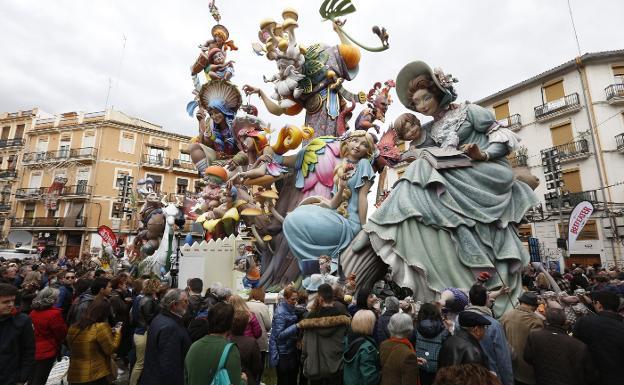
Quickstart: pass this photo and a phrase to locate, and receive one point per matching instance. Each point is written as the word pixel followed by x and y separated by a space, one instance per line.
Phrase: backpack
pixel 222 377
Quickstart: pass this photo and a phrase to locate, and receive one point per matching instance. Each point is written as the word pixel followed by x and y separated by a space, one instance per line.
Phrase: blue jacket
pixel 167 344
pixel 496 347
pixel 281 342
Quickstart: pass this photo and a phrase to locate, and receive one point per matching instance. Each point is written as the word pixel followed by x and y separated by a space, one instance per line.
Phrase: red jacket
pixel 50 331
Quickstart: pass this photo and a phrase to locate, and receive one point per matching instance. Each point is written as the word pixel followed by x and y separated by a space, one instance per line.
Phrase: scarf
pixel 403 341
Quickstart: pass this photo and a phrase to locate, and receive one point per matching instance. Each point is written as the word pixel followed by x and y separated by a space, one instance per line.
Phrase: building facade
pixel 14 126
pixel 70 169
pixel 575 110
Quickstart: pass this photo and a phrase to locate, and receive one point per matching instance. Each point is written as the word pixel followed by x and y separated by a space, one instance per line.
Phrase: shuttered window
pixel 572 181
pixel 126 142
pixel 554 91
pixel 501 111
pixel 561 134
pixel 618 74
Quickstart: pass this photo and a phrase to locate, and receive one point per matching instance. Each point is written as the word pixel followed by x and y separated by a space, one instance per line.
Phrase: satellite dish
pixel 20 237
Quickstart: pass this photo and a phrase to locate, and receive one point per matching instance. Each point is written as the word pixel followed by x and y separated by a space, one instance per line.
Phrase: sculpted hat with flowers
pixel 411 70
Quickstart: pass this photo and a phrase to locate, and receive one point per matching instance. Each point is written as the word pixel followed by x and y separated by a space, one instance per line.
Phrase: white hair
pixel 401 325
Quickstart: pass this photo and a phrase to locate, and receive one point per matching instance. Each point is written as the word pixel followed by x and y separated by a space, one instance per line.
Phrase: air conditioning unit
pixel 176 162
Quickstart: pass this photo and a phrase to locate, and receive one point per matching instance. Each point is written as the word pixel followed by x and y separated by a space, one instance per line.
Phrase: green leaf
pixel 331 9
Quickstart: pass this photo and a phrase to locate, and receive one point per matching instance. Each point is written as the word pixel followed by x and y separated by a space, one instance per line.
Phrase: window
pixel 82 181
pixel 119 176
pixel 88 139
pixel 126 142
pixel 42 147
pixel 554 91
pixel 618 74
pixel 35 179
pixel 19 131
pixel 29 211
pixel 589 232
pixel 572 181
pixel 64 146
pixel 525 232
pixel 156 155
pixel 157 182
pixel 12 162
pixel 198 187
pixel 185 157
pixel 182 185
pixel 561 134
pixel 501 111
pixel 5 132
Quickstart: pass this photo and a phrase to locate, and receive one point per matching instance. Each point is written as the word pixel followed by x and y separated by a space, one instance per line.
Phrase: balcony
pixel 30 194
pixel 50 222
pixel 45 123
pixel 156 161
pixel 615 94
pixel 85 155
pixel 569 199
pixel 182 166
pixel 77 191
pixel 6 143
pixel 8 174
pixel 572 151
pixel 513 122
pixel 566 105
pixel 619 142
pixel 5 207
pixel 519 161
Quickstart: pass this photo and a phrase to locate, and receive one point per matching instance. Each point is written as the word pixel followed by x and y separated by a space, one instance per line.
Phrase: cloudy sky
pixel 59 55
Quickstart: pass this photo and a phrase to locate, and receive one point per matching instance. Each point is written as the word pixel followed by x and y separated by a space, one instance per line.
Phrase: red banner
pixel 109 237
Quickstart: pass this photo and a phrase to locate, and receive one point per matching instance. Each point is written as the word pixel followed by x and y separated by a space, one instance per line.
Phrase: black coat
pixel 381 332
pixel 17 349
pixel 604 336
pixel 167 344
pixel 461 348
pixel 558 359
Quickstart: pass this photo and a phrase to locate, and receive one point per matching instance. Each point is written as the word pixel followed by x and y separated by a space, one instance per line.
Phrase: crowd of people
pixel 565 330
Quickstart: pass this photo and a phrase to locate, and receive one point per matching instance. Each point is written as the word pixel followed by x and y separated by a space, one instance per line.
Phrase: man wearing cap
pixel 518 323
pixel 557 358
pixel 463 346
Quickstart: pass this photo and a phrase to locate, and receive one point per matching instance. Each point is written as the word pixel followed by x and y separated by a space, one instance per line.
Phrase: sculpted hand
pixel 473 151
pixel 250 90
pixel 201 114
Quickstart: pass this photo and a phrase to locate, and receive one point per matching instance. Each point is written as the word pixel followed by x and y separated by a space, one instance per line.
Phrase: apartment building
pixel 576 108
pixel 69 175
pixel 14 125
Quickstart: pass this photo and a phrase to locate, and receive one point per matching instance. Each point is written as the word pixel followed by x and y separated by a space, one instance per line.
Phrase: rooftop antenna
pixel 110 81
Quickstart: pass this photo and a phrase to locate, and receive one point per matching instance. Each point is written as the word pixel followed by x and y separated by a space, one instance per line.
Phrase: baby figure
pixel 407 127
pixel 218 68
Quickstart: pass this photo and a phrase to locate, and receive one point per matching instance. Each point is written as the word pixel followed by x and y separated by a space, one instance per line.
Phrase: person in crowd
pixel 468 374
pixel 563 283
pixel 8 274
pixel 167 342
pixel 259 308
pixel 603 333
pixel 364 300
pixel 144 309
pixel 339 299
pixel 17 340
pixel 247 346
pixel 579 280
pixel 282 347
pixel 120 301
pixel 518 323
pixel 324 330
pixel 196 301
pixel 557 358
pixel 391 306
pixel 361 355
pixel 494 342
pixel 50 331
pixel 215 294
pixel 253 328
pixel 30 288
pixel 66 294
pixel 92 345
pixel 430 335
pixel 463 347
pixel 399 364
pixel 99 287
pixel 202 360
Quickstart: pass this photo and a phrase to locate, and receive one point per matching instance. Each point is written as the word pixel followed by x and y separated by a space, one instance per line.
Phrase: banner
pixel 108 237
pixel 578 218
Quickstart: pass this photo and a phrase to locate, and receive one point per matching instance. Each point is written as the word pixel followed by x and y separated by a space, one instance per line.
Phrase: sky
pixel 62 55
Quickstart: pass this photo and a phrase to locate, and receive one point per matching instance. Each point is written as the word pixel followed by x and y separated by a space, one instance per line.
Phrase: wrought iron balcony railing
pixel 519 161
pixel 569 199
pixel 89 153
pixel 18 142
pixel 614 91
pixel 8 174
pixel 156 160
pixel 579 148
pixel 48 222
pixel 619 142
pixel 569 102
pixel 79 190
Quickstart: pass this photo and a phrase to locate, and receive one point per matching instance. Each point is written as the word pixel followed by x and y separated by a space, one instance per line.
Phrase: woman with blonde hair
pixel 341 217
pixel 253 328
pixel 361 356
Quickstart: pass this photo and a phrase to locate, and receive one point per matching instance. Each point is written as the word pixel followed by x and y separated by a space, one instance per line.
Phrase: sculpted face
pixel 357 148
pixel 216 116
pixel 218 58
pixel 425 102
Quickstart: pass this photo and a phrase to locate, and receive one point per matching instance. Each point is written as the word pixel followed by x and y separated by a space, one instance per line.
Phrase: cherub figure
pixel 219 40
pixel 408 129
pixel 218 68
